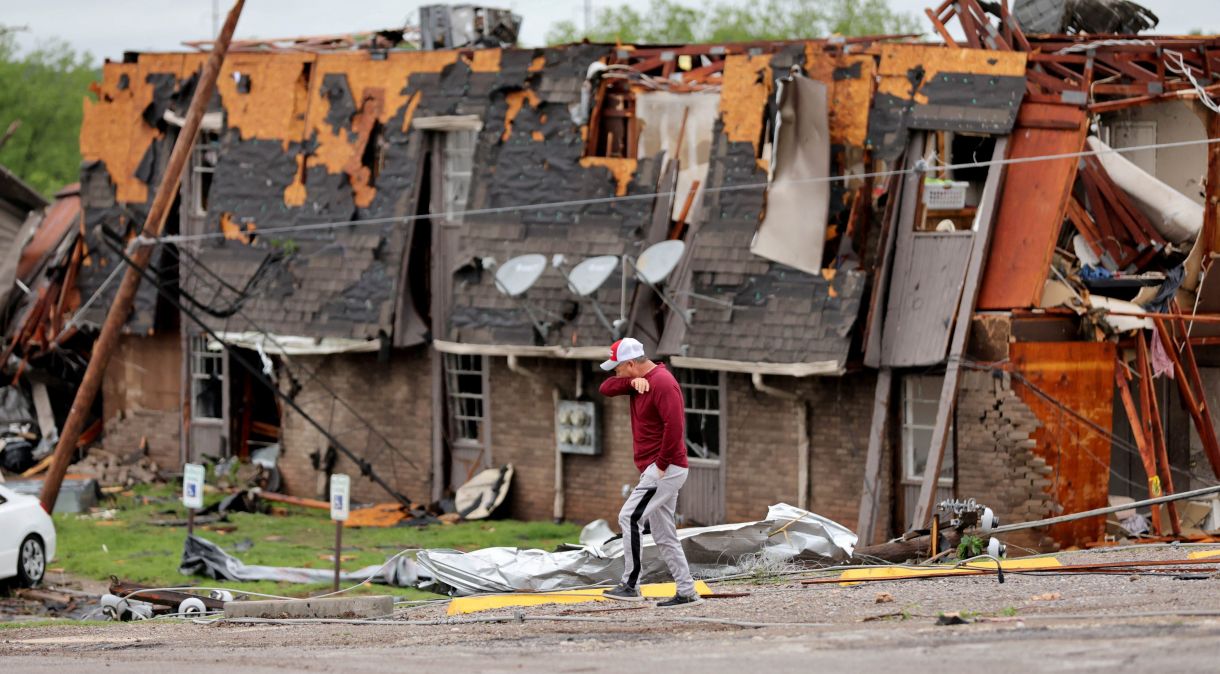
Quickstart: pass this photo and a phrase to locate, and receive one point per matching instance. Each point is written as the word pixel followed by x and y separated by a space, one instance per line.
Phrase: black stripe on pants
pixel 634 578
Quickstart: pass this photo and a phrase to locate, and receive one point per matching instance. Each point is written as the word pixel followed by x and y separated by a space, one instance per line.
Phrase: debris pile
pixel 112 470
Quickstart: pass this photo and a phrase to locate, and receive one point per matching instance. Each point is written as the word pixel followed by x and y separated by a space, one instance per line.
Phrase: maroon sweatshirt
pixel 658 418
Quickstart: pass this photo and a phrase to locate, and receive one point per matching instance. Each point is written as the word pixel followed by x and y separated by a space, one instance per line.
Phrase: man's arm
pixel 616 386
pixel 673 415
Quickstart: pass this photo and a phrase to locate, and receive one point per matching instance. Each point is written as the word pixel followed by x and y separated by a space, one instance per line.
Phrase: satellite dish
pixel 591 274
pixel 657 263
pixel 520 274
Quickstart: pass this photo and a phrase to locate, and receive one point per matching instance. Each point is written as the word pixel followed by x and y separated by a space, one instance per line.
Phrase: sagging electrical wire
pixel 594 201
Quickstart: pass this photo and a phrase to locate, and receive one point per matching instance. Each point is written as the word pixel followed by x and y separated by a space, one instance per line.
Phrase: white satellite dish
pixel 657 262
pixel 520 274
pixel 591 274
pixel 585 279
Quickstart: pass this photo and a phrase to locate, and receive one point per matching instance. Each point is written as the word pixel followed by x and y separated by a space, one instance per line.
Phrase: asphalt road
pixel 1033 622
pixel 1140 646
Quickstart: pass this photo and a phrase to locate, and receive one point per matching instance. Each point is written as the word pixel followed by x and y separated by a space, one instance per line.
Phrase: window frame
pixel 208 139
pixel 690 406
pixel 457 171
pixel 909 425
pixel 200 357
pixel 455 366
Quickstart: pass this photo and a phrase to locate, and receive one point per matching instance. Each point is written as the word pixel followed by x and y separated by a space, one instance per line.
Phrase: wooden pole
pixel 1137 430
pixel 338 550
pixel 1211 210
pixel 104 348
pixel 870 495
pixel 961 329
pixel 1195 401
pixel 1152 416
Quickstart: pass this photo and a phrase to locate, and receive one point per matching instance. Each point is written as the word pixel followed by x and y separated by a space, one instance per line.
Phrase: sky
pixel 107 29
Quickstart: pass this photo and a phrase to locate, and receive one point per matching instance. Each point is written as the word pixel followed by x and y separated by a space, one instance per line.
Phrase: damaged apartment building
pixel 883 270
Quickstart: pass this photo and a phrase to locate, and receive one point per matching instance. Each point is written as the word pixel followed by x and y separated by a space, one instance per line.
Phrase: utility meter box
pixel 576 429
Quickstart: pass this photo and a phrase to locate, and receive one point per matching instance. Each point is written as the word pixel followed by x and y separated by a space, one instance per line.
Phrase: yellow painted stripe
pixel 1025 563
pixel 488 602
pixel 1203 554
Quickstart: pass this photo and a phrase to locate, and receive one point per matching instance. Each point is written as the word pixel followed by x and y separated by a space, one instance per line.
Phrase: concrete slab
pixel 329 607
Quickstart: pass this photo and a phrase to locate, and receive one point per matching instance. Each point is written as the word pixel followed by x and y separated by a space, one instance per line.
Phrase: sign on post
pixel 192 485
pixel 340 492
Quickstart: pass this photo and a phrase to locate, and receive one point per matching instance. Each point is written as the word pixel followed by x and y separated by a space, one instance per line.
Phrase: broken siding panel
pixel 264 96
pixel 933 88
pixel 113 130
pixel 1078 376
pixel 850 79
pixel 747 84
pixel 1032 205
pixel 929 270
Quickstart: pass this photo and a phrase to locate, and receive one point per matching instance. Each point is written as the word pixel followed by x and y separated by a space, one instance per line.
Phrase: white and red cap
pixel 623 350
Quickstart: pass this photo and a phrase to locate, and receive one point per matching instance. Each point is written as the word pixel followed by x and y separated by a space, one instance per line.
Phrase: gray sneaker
pixel 680 600
pixel 623 593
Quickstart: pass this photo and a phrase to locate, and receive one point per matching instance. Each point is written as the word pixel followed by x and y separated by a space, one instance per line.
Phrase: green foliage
pixel 43 90
pixel 133 549
pixel 668 22
pixel 970 546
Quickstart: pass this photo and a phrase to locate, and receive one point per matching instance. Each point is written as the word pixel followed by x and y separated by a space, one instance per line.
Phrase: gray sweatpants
pixel 655 500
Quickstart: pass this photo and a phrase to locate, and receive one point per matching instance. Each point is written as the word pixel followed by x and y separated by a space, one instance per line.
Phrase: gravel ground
pixel 1029 623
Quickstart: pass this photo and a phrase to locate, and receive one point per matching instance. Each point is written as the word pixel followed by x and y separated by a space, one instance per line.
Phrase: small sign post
pixel 193 476
pixel 340 506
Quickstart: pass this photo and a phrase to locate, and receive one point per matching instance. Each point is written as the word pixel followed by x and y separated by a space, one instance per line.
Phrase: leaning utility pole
pixel 106 342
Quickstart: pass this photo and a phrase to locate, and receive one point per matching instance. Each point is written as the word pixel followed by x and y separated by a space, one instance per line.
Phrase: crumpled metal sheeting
pixel 514 570
pixel 204 558
pixel 713 552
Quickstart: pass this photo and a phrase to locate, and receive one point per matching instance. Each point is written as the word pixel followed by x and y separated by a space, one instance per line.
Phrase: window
pixel 701 392
pixel 207 380
pixel 204 157
pixel 951 197
pixel 458 165
pixel 1130 133
pixel 466 380
pixel 920 399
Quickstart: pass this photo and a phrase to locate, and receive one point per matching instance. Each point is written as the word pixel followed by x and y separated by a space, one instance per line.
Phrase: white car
pixel 27 538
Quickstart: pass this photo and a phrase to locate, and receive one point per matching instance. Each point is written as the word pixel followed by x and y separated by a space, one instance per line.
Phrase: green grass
pixel 134 550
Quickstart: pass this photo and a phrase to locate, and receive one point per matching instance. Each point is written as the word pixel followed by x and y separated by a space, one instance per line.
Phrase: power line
pixel 286 359
pixel 366 468
pixel 920 167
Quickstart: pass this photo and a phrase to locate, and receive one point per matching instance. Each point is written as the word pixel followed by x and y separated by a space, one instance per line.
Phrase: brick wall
pixel 522 412
pixel 996 464
pixel 140 397
pixel 523 433
pixel 840 423
pixel 762 454
pixel 395 397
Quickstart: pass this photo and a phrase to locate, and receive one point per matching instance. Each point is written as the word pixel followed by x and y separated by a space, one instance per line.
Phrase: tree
pixel 668 22
pixel 43 90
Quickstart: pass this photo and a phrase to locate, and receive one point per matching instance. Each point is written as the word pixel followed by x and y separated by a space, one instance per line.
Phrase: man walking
pixel 658 430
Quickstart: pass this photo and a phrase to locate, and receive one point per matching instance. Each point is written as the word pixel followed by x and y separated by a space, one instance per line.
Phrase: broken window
pixel 204 157
pixel 207 380
pixel 458 164
pixel 701 392
pixel 613 131
pixel 466 379
pixel 951 196
pixel 920 401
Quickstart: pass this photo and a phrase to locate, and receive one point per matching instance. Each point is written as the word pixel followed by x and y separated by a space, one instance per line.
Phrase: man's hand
pixel 640 384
